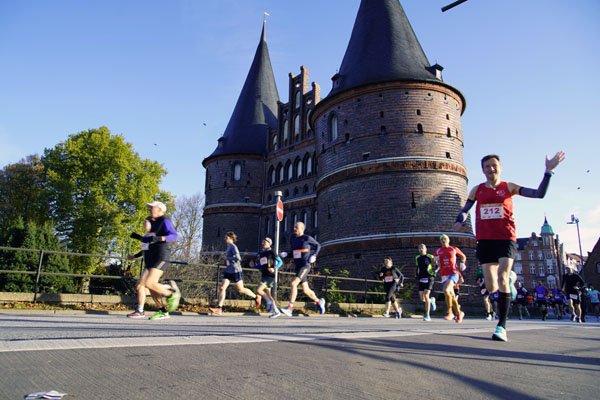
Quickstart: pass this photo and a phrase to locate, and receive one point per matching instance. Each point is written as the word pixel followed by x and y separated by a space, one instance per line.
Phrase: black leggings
pixel 390 290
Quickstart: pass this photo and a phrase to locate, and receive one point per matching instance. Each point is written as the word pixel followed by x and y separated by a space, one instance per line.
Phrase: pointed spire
pixel 383 47
pixel 255 110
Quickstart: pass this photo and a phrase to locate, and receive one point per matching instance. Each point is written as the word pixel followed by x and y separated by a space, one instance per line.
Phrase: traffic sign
pixel 279 210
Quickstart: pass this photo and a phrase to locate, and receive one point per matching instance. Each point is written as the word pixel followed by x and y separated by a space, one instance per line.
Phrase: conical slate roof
pixel 383 47
pixel 255 110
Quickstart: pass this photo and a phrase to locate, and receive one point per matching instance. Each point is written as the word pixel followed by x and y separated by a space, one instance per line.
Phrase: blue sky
pixel 157 72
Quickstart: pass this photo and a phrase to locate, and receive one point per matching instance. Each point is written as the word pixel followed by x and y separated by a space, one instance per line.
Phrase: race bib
pixel 297 254
pixel 263 261
pixel 491 211
pixel 424 280
pixel 540 296
pixel 519 296
pixel 574 296
pixel 145 246
pixel 388 279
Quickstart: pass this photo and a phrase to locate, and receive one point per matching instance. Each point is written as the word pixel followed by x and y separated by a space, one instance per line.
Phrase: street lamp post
pixel 575 221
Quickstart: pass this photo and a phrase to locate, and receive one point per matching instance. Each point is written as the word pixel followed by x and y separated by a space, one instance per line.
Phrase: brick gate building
pixel 372 169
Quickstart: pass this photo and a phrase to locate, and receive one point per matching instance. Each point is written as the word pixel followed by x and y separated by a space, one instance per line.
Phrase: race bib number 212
pixel 492 211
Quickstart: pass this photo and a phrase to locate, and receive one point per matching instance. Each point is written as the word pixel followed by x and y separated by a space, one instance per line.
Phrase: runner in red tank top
pixel 445 257
pixel 495 229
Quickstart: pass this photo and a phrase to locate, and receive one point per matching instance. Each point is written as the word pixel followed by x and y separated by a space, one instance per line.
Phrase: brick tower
pixel 373 169
pixel 390 148
pixel 235 170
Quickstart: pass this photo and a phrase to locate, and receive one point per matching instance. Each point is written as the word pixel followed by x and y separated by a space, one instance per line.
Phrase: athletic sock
pixel 291 305
pixel 503 306
pixel 140 309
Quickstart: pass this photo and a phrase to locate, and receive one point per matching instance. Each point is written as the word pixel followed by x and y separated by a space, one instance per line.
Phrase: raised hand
pixel 553 162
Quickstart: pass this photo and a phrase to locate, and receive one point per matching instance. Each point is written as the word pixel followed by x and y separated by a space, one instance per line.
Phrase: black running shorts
pixel 490 251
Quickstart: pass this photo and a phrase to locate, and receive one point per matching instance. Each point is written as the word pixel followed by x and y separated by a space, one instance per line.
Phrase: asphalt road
pixel 320 357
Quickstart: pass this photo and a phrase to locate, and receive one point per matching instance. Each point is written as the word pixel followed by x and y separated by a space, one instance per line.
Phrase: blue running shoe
pixel 500 334
pixel 321 306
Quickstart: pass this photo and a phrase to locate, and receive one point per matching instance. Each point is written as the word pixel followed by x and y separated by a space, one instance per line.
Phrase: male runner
pixel 495 229
pixel 557 303
pixel 485 295
pixel 304 250
pixel 445 257
pixel 392 278
pixel 157 257
pixel 268 262
pixel 571 285
pixel 521 300
pixel 425 273
pixel 541 293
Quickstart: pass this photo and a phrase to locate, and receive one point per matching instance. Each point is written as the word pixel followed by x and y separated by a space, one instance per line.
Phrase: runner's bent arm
pixel 464 213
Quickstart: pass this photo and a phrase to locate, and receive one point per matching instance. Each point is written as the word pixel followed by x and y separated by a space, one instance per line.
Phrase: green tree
pixel 22 192
pixel 33 236
pixel 97 187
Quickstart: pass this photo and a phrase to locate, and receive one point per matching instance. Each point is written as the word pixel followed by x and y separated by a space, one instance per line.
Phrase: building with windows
pixel 540 258
pixel 373 168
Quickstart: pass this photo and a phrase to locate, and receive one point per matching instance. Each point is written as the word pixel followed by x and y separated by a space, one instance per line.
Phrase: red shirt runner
pixel 494 218
pixel 446 257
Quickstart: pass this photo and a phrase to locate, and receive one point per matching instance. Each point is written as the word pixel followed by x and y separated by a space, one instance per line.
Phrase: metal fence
pixel 197 280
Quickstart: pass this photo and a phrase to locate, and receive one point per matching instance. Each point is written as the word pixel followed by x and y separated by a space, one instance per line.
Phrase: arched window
pixel 237 171
pixel 308 120
pixel 268 225
pixel 299 169
pixel 286 132
pixel 333 127
pixel 420 128
pixel 285 223
pixel 274 142
pixel 305 218
pixel 315 219
pixel 280 173
pixel 308 163
pixel 295 218
pixel 297 126
pixel 272 174
pixel 290 171
pixel 298 99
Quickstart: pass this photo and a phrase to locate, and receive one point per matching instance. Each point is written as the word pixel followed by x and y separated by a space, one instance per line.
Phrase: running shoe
pixel 500 334
pixel 159 315
pixel 173 299
pixel 321 306
pixel 257 301
pixel 449 317
pixel 276 314
pixel 520 318
pixel 287 311
pixel 512 278
pixel 432 305
pixel 427 318
pixel 386 314
pixel 572 317
pixel 399 314
pixel 460 317
pixel 489 317
pixel 136 314
pixel 216 310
